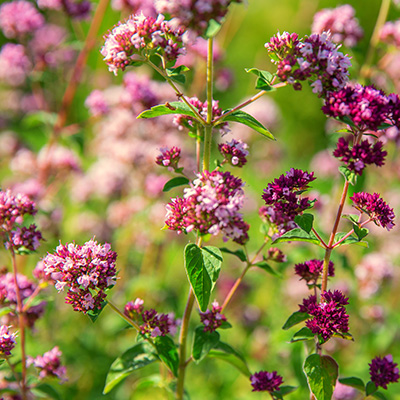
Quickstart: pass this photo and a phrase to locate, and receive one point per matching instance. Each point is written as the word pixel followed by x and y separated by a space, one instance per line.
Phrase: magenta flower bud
pixel 49 364
pixel 383 371
pixel 24 239
pixel 264 381
pixel 169 157
pixel 234 152
pixel 212 319
pixel 275 254
pixel 7 340
pixel 312 270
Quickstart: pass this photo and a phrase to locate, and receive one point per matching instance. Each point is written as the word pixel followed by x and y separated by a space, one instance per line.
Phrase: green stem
pixel 382 16
pixel 14 372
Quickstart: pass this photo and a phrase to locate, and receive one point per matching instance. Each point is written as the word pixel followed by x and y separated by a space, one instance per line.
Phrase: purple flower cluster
pixel 212 319
pixel 169 157
pixel 266 381
pixel 329 316
pixel 184 121
pixel 87 271
pixel 13 208
pixel 283 201
pixel 19 18
pixel 275 254
pixel 49 364
pixel 383 371
pixel 194 14
pixel 311 270
pixel 141 36
pixel 7 340
pixel 341 23
pixel 360 155
pixel 150 321
pixel 234 152
pixel 375 207
pixel 24 239
pixel 14 64
pixel 368 108
pixel 314 58
pixel 210 205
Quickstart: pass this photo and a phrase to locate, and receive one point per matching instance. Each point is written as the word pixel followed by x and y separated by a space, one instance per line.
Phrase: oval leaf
pixel 297 235
pixel 175 107
pixel 246 119
pixel 266 267
pixel 305 221
pixel 350 240
pixel 202 267
pixel 263 79
pixel 176 74
pixel 240 254
pixel 370 388
pixel 94 314
pixel 168 353
pixel 174 182
pixel 295 319
pixel 354 382
pixel 321 373
pixel 203 342
pixel 135 358
pixel 302 335
pixel 225 352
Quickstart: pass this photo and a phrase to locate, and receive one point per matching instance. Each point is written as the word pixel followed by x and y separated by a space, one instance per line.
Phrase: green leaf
pixel 202 267
pixel 45 391
pixel 305 221
pixel 225 352
pixel 302 335
pixel 351 217
pixel 263 79
pixel 321 373
pixel 225 325
pixel 240 254
pixel 267 268
pixel 295 319
pixel 203 342
pixel 168 353
pixel 174 182
pixel 350 176
pixel 212 29
pixel 350 240
pixel 360 232
pixel 176 74
pixel 138 356
pixel 175 107
pixel 284 390
pixel 379 395
pixel 94 314
pixel 354 382
pixel 370 388
pixel 346 336
pixel 297 235
pixel 5 311
pixel 38 119
pixel 148 382
pixel 347 120
pixel 246 119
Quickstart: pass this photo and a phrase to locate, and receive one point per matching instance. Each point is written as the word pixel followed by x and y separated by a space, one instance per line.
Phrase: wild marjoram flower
pixel 264 381
pixel 87 271
pixel 7 341
pixel 314 58
pixel 210 205
pixel 383 371
pixel 49 364
pixel 138 38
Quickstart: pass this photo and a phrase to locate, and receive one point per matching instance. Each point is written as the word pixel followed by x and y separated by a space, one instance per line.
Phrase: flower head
pixel 141 36
pixel 14 64
pixel 212 319
pixel 283 199
pixel 169 157
pixel 315 59
pixel 329 316
pixel 7 340
pixel 266 381
pixel 49 364
pixel 360 155
pixel 390 33
pixel 234 152
pixel 24 238
pixel 311 270
pixel 383 371
pixel 87 271
pixel 210 205
pixel 341 23
pixel 194 14
pixel 375 207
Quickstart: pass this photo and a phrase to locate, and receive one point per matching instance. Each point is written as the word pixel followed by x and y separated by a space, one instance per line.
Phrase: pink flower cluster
pixel 210 205
pixel 150 322
pixel 265 381
pixel 212 319
pixel 194 14
pixel 315 59
pixel 366 107
pixel 360 155
pixel 24 239
pixel 169 157
pixel 139 37
pixel 13 208
pixel 184 121
pixel 375 207
pixel 135 6
pixel 311 270
pixel 7 340
pixel 87 271
pixel 14 64
pixel 341 23
pixel 234 152
pixel 49 364
pixel 329 316
pixel 390 33
pixel 19 18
